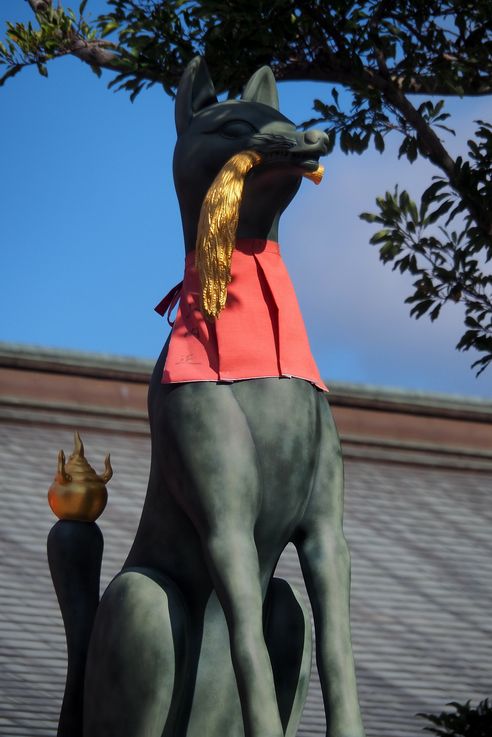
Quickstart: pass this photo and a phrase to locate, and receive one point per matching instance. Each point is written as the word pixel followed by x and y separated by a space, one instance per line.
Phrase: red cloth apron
pixel 259 333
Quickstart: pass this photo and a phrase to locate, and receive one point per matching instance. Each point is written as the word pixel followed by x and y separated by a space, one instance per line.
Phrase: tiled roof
pixel 421 546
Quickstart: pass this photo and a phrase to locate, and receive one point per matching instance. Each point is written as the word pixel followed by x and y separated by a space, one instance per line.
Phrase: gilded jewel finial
pixel 78 492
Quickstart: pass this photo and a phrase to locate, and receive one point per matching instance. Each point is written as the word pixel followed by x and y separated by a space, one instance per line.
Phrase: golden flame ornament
pixel 78 492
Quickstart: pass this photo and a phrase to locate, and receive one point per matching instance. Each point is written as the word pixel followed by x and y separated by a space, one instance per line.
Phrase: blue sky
pixel 91 240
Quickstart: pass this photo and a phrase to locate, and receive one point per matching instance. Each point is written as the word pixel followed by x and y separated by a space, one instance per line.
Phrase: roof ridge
pixel 68 360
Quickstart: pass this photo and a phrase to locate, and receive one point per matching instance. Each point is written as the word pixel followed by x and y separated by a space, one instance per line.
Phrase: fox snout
pixel 294 146
pixel 317 139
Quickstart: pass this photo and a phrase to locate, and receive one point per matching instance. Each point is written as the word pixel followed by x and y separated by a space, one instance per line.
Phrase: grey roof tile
pixel 421 581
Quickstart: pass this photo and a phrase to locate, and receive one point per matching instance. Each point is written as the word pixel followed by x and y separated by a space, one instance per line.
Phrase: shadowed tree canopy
pixel 381 53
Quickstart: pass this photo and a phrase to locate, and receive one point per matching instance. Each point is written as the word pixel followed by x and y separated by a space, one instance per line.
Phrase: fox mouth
pixel 293 163
pixel 305 160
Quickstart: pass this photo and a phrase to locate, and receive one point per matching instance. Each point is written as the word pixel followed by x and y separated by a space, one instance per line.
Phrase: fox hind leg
pixel 135 657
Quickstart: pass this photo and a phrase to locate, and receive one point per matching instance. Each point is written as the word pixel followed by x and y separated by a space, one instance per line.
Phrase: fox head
pixel 211 132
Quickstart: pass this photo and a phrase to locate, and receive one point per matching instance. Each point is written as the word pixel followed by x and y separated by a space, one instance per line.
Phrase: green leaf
pixel 369 217
pixel 434 314
pixel 431 191
pixel 380 236
pixel 42 69
pixel 413 212
pixel 379 142
pixel 109 28
pixel 421 308
pixel 412 150
pixel 345 142
pixel 389 251
pixel 441 210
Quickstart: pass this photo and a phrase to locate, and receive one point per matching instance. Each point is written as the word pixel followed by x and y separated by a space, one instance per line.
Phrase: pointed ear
pixel 262 87
pixel 195 92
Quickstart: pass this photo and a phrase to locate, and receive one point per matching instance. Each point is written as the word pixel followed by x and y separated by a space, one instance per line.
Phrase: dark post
pixel 74 554
pixel 75 546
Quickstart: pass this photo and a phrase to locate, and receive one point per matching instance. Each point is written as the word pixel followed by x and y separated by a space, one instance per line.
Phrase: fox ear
pixel 262 87
pixel 195 92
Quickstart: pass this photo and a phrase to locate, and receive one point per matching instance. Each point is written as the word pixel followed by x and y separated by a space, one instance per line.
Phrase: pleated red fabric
pixel 260 332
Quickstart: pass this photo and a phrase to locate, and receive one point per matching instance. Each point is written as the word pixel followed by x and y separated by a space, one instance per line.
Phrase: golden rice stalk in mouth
pixel 217 226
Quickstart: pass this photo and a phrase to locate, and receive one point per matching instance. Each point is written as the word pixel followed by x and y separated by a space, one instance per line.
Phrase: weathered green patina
pixel 195 638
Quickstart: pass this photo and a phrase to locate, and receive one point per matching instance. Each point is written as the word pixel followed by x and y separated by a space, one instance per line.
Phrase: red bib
pixel 260 332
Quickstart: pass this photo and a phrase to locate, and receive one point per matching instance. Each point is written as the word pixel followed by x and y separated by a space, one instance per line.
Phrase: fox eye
pixel 237 129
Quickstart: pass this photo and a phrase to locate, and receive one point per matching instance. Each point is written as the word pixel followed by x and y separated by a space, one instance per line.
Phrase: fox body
pixel 194 638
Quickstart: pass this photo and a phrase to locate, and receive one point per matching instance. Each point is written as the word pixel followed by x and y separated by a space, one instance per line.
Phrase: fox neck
pixel 265 197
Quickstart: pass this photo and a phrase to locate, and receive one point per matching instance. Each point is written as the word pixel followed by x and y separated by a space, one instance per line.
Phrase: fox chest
pixel 243 451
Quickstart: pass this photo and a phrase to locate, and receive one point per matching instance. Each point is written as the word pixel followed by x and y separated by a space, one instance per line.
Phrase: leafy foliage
pixel 465 721
pixel 448 266
pixel 58 34
pixel 381 53
pixel 156 38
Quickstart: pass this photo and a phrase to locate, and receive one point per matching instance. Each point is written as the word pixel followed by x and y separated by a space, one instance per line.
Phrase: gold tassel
pixel 217 226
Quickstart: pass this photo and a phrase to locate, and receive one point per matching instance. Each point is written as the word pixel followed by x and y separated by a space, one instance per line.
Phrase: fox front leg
pixel 217 483
pixel 325 563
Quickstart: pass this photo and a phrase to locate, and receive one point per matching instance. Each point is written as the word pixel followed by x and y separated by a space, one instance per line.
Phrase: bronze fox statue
pixel 195 638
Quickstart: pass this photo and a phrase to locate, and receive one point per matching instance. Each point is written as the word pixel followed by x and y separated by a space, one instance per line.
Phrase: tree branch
pixel 327 71
pixel 428 141
pixel 432 147
pixel 423 85
pixel 331 29
pixel 95 53
pixel 40 6
pixel 427 138
pixel 325 67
